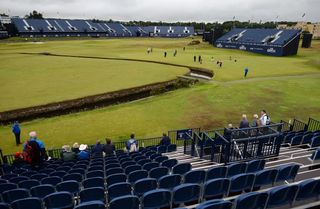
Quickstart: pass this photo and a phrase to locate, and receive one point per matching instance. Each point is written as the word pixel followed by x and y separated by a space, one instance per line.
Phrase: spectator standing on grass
pixel 246 70
pixel 83 154
pixel 108 148
pixel 199 59
pixel 98 148
pixel 16 131
pixel 165 140
pixel 244 123
pixel 194 58
pixel 132 144
pixel 165 54
pixel 175 53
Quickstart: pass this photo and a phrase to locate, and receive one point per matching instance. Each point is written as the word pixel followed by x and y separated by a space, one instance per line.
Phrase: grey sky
pixel 169 10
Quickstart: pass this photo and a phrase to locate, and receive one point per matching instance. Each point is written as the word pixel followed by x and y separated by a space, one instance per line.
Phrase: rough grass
pixel 287 87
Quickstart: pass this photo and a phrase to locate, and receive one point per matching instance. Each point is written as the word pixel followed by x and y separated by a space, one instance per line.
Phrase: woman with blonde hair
pixel 255 122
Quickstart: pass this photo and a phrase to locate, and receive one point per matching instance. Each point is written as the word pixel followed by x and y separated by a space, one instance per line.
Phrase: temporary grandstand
pixel 275 166
pixel 275 42
pixel 66 27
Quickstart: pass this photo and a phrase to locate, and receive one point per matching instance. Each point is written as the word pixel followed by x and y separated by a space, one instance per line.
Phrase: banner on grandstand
pixel 182 134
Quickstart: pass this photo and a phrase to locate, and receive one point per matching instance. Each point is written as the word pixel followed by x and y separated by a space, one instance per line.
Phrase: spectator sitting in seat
pixel 98 148
pixel 255 122
pixel 67 154
pixel 18 160
pixel 108 148
pixel 165 140
pixel 132 144
pixel 75 148
pixel 83 154
pixel 244 122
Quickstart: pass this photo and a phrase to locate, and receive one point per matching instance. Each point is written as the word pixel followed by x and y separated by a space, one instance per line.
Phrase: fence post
pixel 193 144
pixel 1 154
pixel 201 145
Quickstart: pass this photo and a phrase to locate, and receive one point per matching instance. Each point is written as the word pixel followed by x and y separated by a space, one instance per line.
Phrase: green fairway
pixel 286 87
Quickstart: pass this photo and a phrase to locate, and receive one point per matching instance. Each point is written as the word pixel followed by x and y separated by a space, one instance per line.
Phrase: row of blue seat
pixel 295 138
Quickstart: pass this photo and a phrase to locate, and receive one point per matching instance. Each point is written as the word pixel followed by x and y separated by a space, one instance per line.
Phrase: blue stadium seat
pixel 181 168
pixel 78 170
pixel 116 178
pixel 109 162
pixel 215 204
pixel 315 141
pixel 15 194
pixel 39 176
pixel 144 185
pixel 137 175
pixel 17 179
pixel 217 172
pixel 160 159
pixel 195 176
pixel 169 163
pixel 3 181
pixel 91 205
pixel 27 184
pixel 128 163
pixel 144 161
pixel 282 195
pixel 74 176
pixel 93 182
pixel 158 172
pixel 158 198
pixel 30 202
pixel 95 168
pixel 149 153
pixel 42 190
pixel 162 149
pixel 58 173
pixel 186 194
pixel 265 177
pixel 125 202
pixel 252 200
pixel 169 181
pixel 9 176
pixel 7 186
pixel 112 171
pixel 139 157
pixel 309 188
pixel 92 194
pixel 61 200
pixel 95 173
pixel 132 168
pixel 64 168
pixel 46 171
pixel 4 205
pixel 154 156
pixel 287 172
pixel 69 186
pixel 216 188
pixel 296 140
pixel 306 139
pixel 315 157
pixel 119 189
pixel 28 173
pixel 255 165
pixel 151 165
pixel 171 148
pixel 112 165
pixel 53 180
pixel 240 183
pixel 236 168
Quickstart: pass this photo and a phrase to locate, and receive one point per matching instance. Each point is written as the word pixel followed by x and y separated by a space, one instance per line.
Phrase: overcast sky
pixel 169 10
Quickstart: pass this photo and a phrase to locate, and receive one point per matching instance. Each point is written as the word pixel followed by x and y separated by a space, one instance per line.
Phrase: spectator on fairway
pixel 220 64
pixel 132 144
pixel 16 131
pixel 264 119
pixel 244 123
pixel 175 53
pixel 67 154
pixel 108 148
pixel 75 148
pixel 165 54
pixel 98 148
pixel 199 59
pixel 194 58
pixel 165 140
pixel 255 121
pixel 246 70
pixel 83 154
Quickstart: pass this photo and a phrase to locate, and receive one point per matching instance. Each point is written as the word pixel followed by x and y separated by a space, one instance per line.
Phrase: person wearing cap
pixel 67 154
pixel 18 161
pixel 16 131
pixel 83 154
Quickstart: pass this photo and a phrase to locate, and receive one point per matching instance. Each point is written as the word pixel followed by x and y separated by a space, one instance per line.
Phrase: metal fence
pixel 299 126
pixel 313 124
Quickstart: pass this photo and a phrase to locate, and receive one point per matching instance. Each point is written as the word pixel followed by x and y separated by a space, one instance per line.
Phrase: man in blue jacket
pixel 16 131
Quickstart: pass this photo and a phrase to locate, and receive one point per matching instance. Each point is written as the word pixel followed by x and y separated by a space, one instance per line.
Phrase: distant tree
pixel 34 15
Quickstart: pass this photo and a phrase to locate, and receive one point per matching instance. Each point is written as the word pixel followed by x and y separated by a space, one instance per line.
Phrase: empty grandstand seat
pixel 154 156
pixel 216 188
pixel 114 171
pixel 315 157
pixel 139 157
pixel 58 173
pixel 151 165
pixel 265 177
pixel 69 186
pixel 15 194
pixel 315 141
pixel 282 195
pixel 91 205
pixel 42 190
pixel 116 178
pixel 181 168
pixel 215 204
pixel 95 168
pixel 171 148
pixel 240 183
pixel 306 139
pixel 77 170
pixel 17 179
pixel 39 176
pixel 160 159
pixel 296 140
pixel 169 163
pixel 119 189
pixel 287 172
pixel 127 202
pixel 73 176
pixel 46 171
pixel 93 182
pixel 217 172
pixel 7 186
pixel 64 168
pixel 61 200
pixel 309 188
pixel 252 200
pixel 9 176
pixel 28 173
pixel 30 202
pixel 158 198
pixel 4 205
pixel 95 173
pixel 144 185
pixel 255 165
pixel 144 161
pixel 53 180
pixel 170 181
pixel 112 165
pixel 162 149
pixel 92 194
pixel 132 168
pixel 236 168
pixel 3 181
pixel 186 194
pixel 137 175
pixel 158 172
pixel 195 176
pixel 27 184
